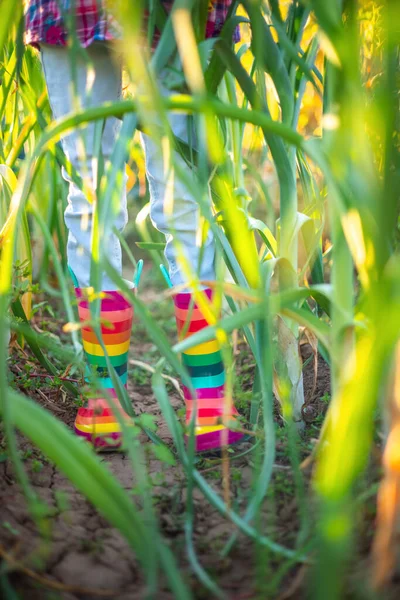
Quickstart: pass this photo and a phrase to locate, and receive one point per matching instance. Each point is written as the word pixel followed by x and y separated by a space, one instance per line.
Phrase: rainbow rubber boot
pixel 205 366
pixel 96 422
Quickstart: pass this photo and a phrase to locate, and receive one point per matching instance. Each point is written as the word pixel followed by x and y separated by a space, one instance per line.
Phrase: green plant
pixel 353 168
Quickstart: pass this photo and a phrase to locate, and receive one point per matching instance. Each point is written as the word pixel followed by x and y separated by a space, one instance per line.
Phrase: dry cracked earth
pixel 80 556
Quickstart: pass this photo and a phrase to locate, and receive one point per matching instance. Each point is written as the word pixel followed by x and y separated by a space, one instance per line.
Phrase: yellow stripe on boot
pixel 97 428
pixel 114 350
pixel 206 348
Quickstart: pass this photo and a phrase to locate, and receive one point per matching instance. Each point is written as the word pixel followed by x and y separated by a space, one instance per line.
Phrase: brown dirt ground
pixel 84 558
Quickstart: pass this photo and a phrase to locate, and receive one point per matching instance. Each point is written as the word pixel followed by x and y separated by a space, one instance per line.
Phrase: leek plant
pixel 364 224
pixel 259 85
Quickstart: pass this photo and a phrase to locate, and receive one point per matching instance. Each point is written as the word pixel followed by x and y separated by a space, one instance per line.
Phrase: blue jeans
pixel 178 219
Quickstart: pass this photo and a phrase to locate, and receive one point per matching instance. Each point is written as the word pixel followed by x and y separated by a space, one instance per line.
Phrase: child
pixel 95 30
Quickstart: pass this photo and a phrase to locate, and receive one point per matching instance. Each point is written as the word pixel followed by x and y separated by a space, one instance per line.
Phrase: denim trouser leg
pixel 106 87
pixel 177 215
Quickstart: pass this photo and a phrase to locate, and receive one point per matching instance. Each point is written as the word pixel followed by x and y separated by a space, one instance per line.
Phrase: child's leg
pixel 214 413
pixel 106 87
pixel 177 214
pixel 96 421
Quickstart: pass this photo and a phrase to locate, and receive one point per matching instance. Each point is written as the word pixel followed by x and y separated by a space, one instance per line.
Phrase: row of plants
pixel 338 203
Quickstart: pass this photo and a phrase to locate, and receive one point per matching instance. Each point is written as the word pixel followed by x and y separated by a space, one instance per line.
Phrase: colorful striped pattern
pixel 205 366
pixel 96 422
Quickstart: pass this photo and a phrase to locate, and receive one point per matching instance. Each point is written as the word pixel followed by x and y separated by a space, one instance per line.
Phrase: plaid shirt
pixel 44 22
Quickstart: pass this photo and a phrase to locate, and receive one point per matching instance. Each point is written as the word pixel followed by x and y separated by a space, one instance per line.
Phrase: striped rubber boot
pixel 205 366
pixel 96 422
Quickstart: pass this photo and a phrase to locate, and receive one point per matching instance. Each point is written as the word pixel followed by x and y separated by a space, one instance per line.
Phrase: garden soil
pixel 81 557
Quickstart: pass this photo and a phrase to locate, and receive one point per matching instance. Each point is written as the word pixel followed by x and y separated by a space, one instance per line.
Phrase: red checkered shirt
pixel 45 23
